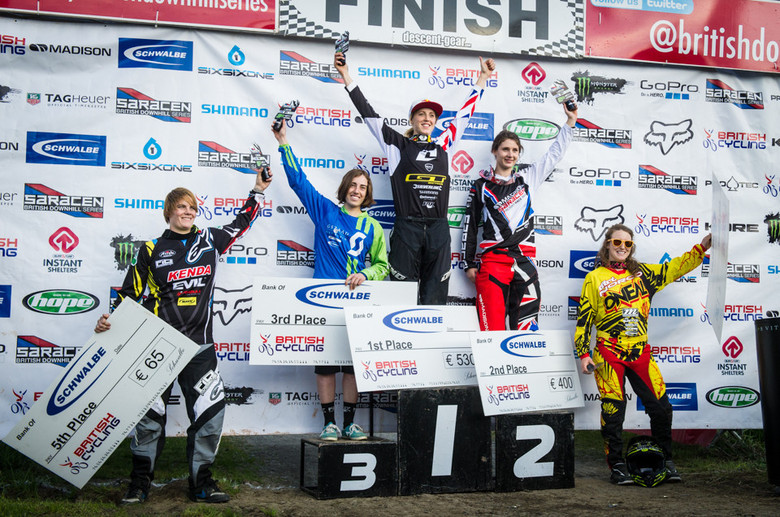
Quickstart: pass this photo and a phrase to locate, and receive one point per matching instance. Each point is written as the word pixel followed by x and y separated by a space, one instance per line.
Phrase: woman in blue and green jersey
pixel 345 238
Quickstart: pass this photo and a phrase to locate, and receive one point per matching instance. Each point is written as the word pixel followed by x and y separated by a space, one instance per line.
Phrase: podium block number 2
pixel 527 465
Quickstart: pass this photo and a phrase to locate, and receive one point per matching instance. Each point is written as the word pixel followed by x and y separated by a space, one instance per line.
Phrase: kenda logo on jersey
pixel 152 53
pixel 330 296
pixel 416 321
pixel 524 345
pixel 66 149
pixel 82 374
pixel 480 126
pixel 581 263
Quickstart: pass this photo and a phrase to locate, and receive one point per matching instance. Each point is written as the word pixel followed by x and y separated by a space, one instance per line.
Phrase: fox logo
pixel 598 221
pixel 666 136
pixel 228 304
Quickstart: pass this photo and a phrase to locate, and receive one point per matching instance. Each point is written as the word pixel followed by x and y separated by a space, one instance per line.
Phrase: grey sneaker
pixel 134 495
pixel 672 476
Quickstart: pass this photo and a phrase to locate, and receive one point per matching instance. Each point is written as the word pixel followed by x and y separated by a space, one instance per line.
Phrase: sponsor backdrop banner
pixel 99 125
pixel 230 14
pixel 740 34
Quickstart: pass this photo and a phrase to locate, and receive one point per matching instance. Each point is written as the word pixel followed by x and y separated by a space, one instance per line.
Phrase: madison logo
pixel 773 228
pixel 228 304
pixel 125 250
pixel 152 53
pixel 60 302
pixel 130 101
pixel 586 131
pixel 596 221
pixel 293 63
pixel 66 149
pixel 533 129
pixel 718 91
pixel 654 178
pixel 667 136
pixel 41 198
pixel 586 85
pixel 733 397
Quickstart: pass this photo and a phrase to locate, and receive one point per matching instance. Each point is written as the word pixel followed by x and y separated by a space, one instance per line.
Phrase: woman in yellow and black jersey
pixel 616 300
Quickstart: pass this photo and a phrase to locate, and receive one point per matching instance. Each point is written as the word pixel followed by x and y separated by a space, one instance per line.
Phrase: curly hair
pixel 602 259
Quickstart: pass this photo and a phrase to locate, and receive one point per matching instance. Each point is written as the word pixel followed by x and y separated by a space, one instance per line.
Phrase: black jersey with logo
pixel 178 271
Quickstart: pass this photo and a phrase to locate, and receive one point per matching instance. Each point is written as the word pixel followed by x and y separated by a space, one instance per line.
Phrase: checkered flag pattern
pixel 292 23
pixel 573 44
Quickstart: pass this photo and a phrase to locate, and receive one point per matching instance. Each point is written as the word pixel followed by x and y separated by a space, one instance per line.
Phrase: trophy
pixel 262 161
pixel 285 113
pixel 563 94
pixel 342 45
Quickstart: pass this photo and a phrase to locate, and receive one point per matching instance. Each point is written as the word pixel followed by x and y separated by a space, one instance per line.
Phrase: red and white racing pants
pixel 507 286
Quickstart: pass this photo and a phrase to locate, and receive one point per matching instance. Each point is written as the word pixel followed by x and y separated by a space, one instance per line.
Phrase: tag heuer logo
pixel 33 98
pixel 274 398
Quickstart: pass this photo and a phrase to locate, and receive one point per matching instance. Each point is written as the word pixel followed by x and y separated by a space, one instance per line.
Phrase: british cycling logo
pixel 651 177
pixel 586 86
pixel 331 296
pixel 720 92
pixel 152 53
pixel 716 139
pixel 130 101
pixel 458 77
pixel 596 221
pixel 236 57
pixel 416 321
pixel 228 304
pixel 668 136
pixel 66 149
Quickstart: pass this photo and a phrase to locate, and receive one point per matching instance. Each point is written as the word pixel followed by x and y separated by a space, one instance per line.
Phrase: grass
pixel 28 489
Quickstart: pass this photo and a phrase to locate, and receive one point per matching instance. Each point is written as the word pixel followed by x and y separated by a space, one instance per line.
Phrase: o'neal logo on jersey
pixel 430 179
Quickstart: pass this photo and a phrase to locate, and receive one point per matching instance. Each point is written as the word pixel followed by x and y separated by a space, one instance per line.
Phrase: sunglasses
pixel 617 242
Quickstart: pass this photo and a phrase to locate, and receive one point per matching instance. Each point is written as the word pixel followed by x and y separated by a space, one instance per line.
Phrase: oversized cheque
pixel 88 410
pixel 399 347
pixel 526 371
pixel 300 321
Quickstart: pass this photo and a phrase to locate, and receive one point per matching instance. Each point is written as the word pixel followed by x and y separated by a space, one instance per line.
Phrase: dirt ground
pixel 701 493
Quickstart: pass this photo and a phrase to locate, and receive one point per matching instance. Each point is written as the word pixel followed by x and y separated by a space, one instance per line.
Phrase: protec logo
pixel 152 53
pixel 66 149
pixel 64 240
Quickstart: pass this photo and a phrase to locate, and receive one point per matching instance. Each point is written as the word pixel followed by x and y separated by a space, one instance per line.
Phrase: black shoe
pixel 209 493
pixel 672 476
pixel 135 495
pixel 620 475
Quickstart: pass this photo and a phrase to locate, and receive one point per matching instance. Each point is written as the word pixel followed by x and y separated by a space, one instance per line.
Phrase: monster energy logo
pixel 125 251
pixel 583 87
pixel 773 227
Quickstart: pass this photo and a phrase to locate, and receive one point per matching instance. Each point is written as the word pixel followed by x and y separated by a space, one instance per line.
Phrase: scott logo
pixel 733 397
pixel 64 240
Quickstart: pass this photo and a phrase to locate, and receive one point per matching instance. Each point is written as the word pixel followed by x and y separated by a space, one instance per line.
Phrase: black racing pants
pixel 204 397
pixel 420 251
